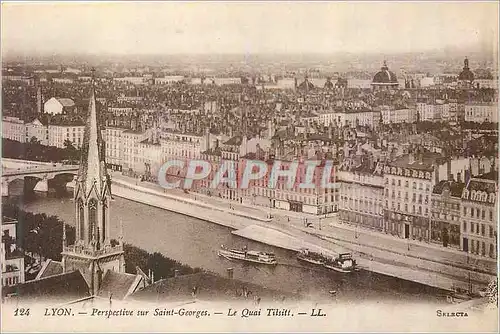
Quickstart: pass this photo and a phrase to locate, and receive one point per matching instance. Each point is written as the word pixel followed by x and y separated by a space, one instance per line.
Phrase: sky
pixel 245 28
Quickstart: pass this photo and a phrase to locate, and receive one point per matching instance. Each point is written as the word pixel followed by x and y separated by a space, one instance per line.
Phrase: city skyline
pixel 186 28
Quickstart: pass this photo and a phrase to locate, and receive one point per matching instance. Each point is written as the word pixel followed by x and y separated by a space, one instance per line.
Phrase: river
pixel 195 242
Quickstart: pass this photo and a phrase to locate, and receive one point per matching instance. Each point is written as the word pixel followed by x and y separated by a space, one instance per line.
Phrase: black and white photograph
pixel 232 166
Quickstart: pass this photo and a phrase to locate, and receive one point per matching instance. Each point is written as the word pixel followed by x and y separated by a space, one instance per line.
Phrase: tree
pixel 34 149
pixel 69 150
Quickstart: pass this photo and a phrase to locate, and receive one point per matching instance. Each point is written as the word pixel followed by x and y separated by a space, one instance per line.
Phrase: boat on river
pixel 343 263
pixel 248 255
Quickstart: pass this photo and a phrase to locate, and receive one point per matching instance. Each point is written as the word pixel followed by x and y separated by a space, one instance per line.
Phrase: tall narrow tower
pixel 92 252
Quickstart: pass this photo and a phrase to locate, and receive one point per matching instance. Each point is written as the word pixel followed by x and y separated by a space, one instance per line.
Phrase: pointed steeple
pixel 92 175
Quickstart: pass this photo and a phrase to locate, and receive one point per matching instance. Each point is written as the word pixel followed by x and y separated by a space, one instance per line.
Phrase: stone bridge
pixel 39 176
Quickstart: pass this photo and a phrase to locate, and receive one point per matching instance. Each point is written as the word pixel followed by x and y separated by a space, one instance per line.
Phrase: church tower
pixel 92 252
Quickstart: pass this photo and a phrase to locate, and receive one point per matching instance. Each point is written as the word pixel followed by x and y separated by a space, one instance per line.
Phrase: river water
pixel 195 242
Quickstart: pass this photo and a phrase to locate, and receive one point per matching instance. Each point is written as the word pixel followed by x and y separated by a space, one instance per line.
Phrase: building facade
pixel 479 216
pixel 446 214
pixel 12 259
pixel 361 198
pixel 407 190
pixel 58 134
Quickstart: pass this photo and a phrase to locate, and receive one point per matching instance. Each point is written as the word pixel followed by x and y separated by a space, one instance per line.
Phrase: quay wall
pixel 422 270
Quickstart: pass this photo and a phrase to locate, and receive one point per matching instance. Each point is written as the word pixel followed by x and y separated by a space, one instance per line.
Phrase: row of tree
pixel 34 150
pixel 42 235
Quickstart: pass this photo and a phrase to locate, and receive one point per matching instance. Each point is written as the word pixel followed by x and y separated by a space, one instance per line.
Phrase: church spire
pixel 92 174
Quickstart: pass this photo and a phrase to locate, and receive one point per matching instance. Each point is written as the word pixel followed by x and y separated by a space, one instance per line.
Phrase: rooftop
pixel 455 188
pixel 209 287
pixel 117 284
pixel 63 287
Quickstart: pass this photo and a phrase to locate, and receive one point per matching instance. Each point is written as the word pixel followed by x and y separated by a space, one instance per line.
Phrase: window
pixel 399 183
pixel 92 217
pixel 483 230
pixel 491 215
pixel 81 219
pixel 406 184
pixel 465 211
pixel 483 214
pixel 414 185
pixel 491 231
pixel 406 207
pixel 465 226
pixel 471 227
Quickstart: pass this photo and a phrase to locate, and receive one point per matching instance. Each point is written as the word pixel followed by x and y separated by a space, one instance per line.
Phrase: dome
pixel 466 74
pixel 328 83
pixel 385 77
pixel 306 85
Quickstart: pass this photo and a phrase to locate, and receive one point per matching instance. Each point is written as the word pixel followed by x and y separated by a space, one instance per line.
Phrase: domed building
pixel 466 77
pixel 328 84
pixel 385 79
pixel 305 86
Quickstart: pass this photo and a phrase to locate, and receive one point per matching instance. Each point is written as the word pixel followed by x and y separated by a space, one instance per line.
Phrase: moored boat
pixel 248 255
pixel 308 256
pixel 343 263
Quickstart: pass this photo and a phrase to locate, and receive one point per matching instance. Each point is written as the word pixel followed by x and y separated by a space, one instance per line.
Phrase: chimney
pixel 176 273
pixel 230 273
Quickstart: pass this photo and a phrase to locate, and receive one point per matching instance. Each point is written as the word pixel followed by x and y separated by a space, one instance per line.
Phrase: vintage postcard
pixel 249 166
